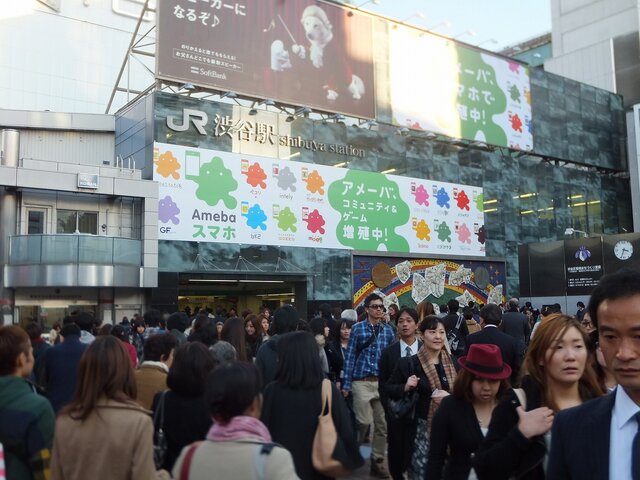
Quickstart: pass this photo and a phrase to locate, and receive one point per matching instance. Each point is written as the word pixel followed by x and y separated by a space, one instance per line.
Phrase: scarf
pixel 241 427
pixel 432 375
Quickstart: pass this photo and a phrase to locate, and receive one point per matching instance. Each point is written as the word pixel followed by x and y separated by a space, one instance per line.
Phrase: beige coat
pixel 231 460
pixel 150 379
pixel 115 442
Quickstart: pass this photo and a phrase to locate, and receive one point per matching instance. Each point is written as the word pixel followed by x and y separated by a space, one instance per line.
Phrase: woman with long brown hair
pixel 558 375
pixel 103 433
pixel 234 333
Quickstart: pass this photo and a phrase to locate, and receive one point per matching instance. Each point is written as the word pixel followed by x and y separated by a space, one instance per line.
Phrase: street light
pixel 491 40
pixel 467 32
pixel 417 14
pixel 571 231
pixel 445 24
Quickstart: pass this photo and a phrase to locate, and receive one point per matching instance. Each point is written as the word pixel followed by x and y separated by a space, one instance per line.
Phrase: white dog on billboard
pixel 319 32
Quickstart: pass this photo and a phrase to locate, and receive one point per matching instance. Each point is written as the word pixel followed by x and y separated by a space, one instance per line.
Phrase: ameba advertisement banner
pixel 303 52
pixel 212 196
pixel 458 91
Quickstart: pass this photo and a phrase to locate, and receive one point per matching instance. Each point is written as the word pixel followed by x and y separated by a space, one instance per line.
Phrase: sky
pixel 508 22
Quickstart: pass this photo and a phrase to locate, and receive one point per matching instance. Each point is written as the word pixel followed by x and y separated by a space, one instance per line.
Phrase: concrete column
pixel 9 154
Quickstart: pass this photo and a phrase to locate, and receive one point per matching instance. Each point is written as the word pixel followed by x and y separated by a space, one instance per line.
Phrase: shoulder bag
pixel 159 439
pixel 405 407
pixel 326 439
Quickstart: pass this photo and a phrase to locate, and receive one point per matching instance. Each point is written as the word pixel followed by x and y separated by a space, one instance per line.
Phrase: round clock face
pixel 623 250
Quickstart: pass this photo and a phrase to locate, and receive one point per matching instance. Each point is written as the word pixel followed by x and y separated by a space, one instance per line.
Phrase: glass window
pixel 35 219
pixel 72 221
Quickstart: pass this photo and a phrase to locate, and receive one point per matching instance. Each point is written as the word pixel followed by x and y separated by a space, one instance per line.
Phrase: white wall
pixel 65 61
pixel 581 33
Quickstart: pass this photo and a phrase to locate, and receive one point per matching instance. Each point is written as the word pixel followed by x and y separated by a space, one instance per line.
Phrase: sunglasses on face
pixel 377 306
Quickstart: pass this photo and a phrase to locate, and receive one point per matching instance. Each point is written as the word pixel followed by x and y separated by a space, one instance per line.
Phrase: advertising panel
pixel 408 281
pixel 301 52
pixel 583 261
pixel 213 196
pixel 458 91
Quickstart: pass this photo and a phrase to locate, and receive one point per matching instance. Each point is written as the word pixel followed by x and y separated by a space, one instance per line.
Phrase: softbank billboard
pixel 300 52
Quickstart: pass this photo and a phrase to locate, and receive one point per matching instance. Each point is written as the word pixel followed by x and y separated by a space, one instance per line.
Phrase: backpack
pixel 454 336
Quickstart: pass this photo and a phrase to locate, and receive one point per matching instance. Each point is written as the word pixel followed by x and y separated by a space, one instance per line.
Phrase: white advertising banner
pixel 212 196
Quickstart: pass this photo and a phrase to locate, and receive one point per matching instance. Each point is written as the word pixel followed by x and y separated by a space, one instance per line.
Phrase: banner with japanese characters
pixel 213 196
pixel 302 52
pixel 458 91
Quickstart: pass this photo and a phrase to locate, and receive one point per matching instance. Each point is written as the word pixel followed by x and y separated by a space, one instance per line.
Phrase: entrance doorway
pixel 241 292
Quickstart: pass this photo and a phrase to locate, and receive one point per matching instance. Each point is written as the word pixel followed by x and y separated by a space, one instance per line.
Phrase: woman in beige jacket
pixel 103 433
pixel 238 444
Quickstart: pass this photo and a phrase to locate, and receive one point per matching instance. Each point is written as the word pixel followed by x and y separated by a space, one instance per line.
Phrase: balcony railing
pixel 74 249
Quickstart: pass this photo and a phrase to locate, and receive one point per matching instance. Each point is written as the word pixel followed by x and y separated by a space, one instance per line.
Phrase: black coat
pixel 581 436
pixel 186 420
pixel 61 370
pixel 505 452
pixel 456 434
pixel 507 345
pixel 292 418
pixel 516 324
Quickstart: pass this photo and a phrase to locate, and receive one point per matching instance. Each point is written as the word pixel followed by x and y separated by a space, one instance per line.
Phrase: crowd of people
pixel 436 391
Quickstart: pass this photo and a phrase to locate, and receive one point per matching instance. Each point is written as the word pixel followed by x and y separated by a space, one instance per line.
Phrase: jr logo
pixel 197 117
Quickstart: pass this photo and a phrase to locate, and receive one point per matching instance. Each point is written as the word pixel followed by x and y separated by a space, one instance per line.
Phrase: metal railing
pixel 74 248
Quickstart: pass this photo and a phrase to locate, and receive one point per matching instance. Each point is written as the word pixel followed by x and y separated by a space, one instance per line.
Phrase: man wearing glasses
pixel 361 369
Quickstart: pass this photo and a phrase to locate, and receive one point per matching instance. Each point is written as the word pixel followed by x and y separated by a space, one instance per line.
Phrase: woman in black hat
pixel 462 421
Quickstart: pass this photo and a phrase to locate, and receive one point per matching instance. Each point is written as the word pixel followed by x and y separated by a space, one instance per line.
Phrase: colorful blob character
pixel 514 93
pixel 168 165
pixel 514 67
pixel 215 183
pixel 421 195
pixel 315 182
pixel 168 211
pixel 464 234
pixel 442 198
pixel 256 218
pixel 516 123
pixel 481 235
pixel 315 222
pixel 287 220
pixel 256 176
pixel 463 201
pixel 287 180
pixel 423 230
pixel 480 202
pixel 444 232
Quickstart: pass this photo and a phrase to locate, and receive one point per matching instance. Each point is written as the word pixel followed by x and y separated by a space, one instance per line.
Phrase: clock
pixel 623 250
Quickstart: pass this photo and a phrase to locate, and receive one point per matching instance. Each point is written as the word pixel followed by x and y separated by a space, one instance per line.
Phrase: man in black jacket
pixel 516 325
pixel 490 317
pixel 399 439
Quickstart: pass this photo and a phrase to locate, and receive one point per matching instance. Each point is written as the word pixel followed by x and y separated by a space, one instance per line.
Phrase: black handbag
pixel 159 439
pixel 405 407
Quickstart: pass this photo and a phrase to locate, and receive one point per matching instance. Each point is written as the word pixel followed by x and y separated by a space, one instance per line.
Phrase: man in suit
pixel 600 439
pixel 490 318
pixel 516 324
pixel 399 440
